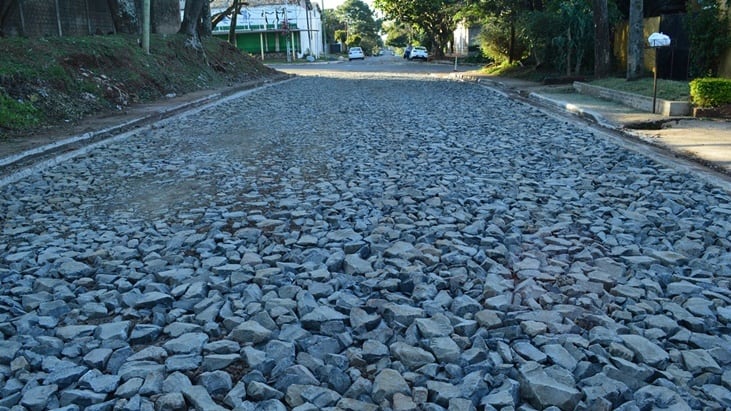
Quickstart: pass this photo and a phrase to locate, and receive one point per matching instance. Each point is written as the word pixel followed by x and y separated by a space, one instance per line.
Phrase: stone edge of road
pixel 17 166
pixel 598 122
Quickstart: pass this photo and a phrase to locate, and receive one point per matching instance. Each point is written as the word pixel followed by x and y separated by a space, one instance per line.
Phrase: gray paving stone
pixel 494 259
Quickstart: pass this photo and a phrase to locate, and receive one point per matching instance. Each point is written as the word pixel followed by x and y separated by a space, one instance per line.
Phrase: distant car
pixel 355 53
pixel 418 53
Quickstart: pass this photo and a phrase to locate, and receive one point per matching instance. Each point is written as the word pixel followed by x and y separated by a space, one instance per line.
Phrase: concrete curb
pixel 544 100
pixel 14 163
pixel 574 109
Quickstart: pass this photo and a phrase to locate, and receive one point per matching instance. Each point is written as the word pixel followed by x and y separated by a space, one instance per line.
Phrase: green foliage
pixel 666 89
pixel 397 34
pixel 16 115
pixel 341 36
pixel 356 26
pixel 576 40
pixel 710 92
pixel 354 40
pixel 369 46
pixel 433 18
pixel 555 35
pixel 59 80
pixel 495 42
pixel 540 28
pixel 708 33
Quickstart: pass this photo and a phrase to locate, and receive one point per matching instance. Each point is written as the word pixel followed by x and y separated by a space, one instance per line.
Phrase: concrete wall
pixel 39 18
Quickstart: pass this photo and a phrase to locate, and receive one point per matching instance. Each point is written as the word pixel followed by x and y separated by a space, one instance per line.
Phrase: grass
pixel 666 89
pixel 17 115
pixel 516 70
pixel 46 82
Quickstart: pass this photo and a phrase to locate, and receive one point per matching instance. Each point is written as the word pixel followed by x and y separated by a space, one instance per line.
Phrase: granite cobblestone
pixel 364 243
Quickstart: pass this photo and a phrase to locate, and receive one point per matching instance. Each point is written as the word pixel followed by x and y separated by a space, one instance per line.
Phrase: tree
pixel 432 17
pixel 232 26
pixel 357 19
pixel 341 36
pixel 577 36
pixel 635 41
pixel 125 16
pixel 516 25
pixel 397 34
pixel 196 19
pixel 708 32
pixel 602 44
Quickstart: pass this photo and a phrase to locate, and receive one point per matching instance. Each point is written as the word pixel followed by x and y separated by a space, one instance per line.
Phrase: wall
pixel 39 18
pixel 672 62
pixel 267 19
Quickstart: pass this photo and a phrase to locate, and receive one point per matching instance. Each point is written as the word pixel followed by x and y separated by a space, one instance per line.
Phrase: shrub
pixel 710 92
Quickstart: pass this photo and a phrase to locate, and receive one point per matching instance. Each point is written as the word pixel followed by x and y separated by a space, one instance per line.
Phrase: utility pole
pixel 146 26
pixel 324 33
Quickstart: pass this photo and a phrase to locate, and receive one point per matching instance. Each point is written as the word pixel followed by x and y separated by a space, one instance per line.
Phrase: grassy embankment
pixel 53 81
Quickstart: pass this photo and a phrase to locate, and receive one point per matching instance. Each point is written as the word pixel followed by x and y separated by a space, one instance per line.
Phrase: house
pixel 274 28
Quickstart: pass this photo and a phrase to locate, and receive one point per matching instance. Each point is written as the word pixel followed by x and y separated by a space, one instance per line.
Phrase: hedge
pixel 710 92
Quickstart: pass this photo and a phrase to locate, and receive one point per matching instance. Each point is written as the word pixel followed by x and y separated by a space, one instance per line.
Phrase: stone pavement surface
pixel 503 258
pixel 707 141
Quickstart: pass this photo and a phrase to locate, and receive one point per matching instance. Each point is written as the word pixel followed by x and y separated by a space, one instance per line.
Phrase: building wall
pixel 269 18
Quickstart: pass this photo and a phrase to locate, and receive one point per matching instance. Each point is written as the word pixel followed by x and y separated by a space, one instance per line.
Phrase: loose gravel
pixel 353 243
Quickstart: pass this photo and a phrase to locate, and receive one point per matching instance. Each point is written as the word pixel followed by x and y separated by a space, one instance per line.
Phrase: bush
pixel 710 92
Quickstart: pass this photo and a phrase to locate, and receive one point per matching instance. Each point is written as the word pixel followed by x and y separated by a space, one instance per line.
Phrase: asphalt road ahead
pixel 365 236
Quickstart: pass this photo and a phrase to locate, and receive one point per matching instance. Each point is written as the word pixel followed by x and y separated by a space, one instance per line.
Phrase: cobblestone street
pixel 365 242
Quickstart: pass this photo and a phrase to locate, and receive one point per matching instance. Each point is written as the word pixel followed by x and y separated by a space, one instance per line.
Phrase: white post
pixel 261 45
pixel 294 52
pixel 322 28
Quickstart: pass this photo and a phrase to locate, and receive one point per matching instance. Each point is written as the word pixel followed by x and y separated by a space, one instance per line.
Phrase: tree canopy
pixel 434 19
pixel 354 20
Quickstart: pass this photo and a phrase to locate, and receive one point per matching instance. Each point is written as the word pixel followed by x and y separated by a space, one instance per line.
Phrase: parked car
pixel 355 53
pixel 418 53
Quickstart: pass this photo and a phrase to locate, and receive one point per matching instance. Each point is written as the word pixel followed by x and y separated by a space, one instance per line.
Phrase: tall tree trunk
pixel 125 15
pixel 636 40
pixel 569 50
pixel 205 27
pixel 602 42
pixel 191 15
pixel 511 42
pixel 232 26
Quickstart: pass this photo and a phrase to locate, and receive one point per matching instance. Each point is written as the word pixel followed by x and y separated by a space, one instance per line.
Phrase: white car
pixel 355 53
pixel 418 52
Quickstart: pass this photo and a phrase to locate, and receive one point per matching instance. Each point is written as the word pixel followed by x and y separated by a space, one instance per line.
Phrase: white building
pixel 264 27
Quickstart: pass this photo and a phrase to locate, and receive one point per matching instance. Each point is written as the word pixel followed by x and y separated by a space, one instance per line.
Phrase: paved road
pixel 365 239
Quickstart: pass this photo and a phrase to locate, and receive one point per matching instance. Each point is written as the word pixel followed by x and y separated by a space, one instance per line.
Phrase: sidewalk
pixel 704 141
pixel 23 153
